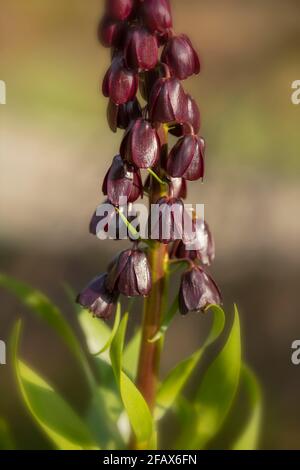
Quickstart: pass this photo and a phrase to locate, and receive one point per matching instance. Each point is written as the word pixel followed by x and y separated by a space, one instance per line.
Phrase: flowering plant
pixel 128 398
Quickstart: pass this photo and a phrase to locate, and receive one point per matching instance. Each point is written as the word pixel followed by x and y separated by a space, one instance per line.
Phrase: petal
pixel 144 145
pixel 181 156
pixel 116 268
pixel 142 273
pixel 127 284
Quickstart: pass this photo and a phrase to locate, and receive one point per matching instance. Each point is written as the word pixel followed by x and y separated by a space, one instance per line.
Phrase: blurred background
pixel 56 147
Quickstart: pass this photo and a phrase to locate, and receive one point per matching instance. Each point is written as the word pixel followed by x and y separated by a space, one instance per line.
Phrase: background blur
pixel 56 147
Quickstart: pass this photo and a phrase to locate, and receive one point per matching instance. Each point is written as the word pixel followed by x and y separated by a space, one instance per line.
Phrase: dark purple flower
pixel 110 32
pixel 167 101
pixel 202 247
pixel 181 57
pixel 120 84
pixel 177 188
pixel 119 9
pixel 186 159
pixel 141 144
pixel 120 116
pixel 130 274
pixel 141 49
pixel 97 299
pixel 191 117
pixel 169 221
pixel 156 15
pixel 197 291
pixel 122 181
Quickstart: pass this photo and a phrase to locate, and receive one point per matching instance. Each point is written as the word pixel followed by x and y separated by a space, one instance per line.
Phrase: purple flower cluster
pixel 146 99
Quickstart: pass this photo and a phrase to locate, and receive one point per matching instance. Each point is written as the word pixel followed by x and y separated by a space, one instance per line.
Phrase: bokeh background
pixel 56 147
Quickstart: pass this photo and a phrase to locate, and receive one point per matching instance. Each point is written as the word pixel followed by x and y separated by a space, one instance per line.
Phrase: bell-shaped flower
pixel 110 32
pixel 98 299
pixel 156 15
pixel 197 291
pixel 181 57
pixel 120 84
pixel 122 181
pixel 141 144
pixel 141 49
pixel 191 117
pixel 130 274
pixel 119 9
pixel 186 159
pixel 167 101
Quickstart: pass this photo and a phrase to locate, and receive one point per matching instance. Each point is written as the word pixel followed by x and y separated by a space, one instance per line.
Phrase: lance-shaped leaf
pixel 113 332
pixel 6 439
pixel 178 377
pixel 52 413
pixel 215 394
pixel 249 436
pixel 49 313
pixel 137 409
pixel 131 355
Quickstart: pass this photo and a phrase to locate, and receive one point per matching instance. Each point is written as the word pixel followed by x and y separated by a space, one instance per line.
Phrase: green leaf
pixel 137 409
pixel 6 440
pixel 51 412
pixel 97 333
pixel 45 310
pixel 102 417
pixel 131 355
pixel 117 347
pixel 178 377
pixel 216 393
pixel 113 332
pixel 249 437
pixel 166 322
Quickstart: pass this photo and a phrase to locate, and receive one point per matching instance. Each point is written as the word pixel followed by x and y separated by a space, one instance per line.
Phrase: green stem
pixel 158 179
